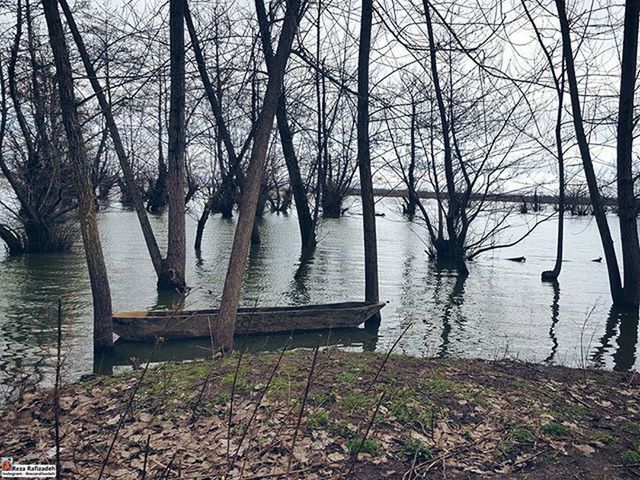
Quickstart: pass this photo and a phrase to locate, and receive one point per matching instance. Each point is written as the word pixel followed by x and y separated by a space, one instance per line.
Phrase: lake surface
pixel 501 310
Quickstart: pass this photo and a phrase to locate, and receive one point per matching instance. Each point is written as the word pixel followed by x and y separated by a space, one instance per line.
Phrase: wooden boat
pixel 148 325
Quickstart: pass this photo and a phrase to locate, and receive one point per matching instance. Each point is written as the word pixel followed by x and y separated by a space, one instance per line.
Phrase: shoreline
pixel 517 198
pixel 463 418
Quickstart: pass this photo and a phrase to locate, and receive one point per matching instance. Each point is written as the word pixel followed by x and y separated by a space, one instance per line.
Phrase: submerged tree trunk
pixel 103 330
pixel 173 271
pixel 627 209
pixel 158 195
pixel 452 248
pixel 305 221
pixel 130 185
pixel 371 293
pixel 552 275
pixel 412 200
pixel 201 223
pixel 253 181
pixel 613 271
pixel 262 202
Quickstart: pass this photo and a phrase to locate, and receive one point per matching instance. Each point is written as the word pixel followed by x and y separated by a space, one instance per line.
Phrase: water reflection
pixel 555 317
pixel 128 353
pixel 27 332
pixel 169 300
pixel 450 309
pixel 624 356
pixel 501 304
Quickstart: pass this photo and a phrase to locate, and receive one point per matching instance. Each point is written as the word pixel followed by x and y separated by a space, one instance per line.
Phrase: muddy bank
pixel 239 417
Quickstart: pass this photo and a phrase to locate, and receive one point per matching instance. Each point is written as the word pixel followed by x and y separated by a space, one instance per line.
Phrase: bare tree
pixel 103 329
pixel 33 156
pixel 173 273
pixel 597 203
pixel 558 82
pixel 305 220
pixel 253 181
pixel 627 206
pixel 364 158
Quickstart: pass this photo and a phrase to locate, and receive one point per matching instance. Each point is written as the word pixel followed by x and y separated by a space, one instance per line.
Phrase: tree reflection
pixel 298 291
pixel 555 310
pixel 169 300
pixel 624 357
pixel 451 306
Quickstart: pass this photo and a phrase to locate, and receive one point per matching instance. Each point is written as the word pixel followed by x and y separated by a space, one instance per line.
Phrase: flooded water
pixel 501 310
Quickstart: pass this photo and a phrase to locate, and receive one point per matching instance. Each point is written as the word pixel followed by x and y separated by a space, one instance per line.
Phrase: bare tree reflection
pixel 624 357
pixel 450 310
pixel 555 311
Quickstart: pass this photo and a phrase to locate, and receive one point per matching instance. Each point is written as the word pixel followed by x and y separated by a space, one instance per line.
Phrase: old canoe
pixel 148 325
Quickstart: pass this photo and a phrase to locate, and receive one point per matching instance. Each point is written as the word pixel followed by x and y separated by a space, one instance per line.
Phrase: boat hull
pixel 150 325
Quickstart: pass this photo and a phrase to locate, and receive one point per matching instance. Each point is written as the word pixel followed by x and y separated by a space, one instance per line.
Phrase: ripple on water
pixel 501 309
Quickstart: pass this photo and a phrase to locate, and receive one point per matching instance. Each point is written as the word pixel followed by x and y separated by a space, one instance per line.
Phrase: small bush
pixel 604 437
pixel 357 400
pixel 555 429
pixel 319 419
pixel 346 377
pixel 369 446
pixel 630 457
pixel 630 426
pixel 524 436
pixel 414 448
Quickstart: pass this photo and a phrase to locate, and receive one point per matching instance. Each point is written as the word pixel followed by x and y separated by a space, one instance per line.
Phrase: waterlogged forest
pixel 319 239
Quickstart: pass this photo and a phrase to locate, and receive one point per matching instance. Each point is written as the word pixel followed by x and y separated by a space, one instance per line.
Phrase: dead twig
pixel 146 458
pixel 194 411
pixel 258 403
pixel 304 402
pixel 233 391
pixel 56 393
pixel 366 434
pixel 386 358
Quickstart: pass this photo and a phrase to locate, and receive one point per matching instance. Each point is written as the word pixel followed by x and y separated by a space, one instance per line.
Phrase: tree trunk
pixel 412 200
pixel 202 221
pixel 627 210
pixel 613 271
pixel 253 182
pixel 130 184
pixel 173 271
pixel 454 244
pixel 158 197
pixel 371 293
pixel 305 221
pixel 552 275
pixel 103 330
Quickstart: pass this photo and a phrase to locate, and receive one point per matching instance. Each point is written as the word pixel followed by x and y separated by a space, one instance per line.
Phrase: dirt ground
pixel 364 417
